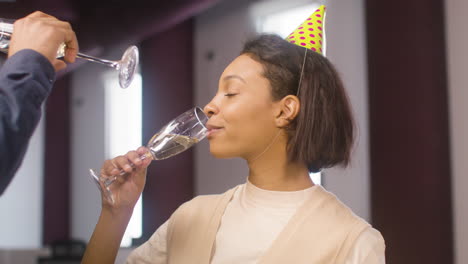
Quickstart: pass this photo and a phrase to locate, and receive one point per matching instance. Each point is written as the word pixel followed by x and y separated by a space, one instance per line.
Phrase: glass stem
pixel 113 64
pixel 107 182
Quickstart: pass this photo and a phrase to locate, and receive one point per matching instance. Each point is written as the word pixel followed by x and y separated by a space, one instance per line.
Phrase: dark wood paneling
pixel 410 161
pixel 56 203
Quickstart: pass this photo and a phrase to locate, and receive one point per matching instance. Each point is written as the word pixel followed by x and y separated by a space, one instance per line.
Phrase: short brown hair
pixel 322 135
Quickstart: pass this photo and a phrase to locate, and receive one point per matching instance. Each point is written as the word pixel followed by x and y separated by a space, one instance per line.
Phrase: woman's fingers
pixel 109 168
pixel 139 159
pixel 127 163
pixel 145 155
pixel 134 158
pixel 123 163
pixel 129 173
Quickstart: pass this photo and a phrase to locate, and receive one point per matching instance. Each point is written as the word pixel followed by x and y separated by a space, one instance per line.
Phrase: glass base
pixel 128 66
pixel 103 186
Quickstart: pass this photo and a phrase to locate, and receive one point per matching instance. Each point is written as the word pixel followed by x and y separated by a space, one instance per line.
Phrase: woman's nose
pixel 210 109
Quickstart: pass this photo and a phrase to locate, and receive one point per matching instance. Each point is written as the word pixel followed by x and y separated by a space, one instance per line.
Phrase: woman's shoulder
pixel 361 242
pixel 369 247
pixel 207 202
pixel 371 237
pixel 329 203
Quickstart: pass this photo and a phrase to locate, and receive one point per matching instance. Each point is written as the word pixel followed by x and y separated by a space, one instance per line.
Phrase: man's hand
pixel 44 34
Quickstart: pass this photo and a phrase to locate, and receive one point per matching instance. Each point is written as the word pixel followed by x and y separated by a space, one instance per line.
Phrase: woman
pixel 286 113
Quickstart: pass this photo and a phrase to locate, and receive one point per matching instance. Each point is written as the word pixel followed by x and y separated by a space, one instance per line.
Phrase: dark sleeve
pixel 26 80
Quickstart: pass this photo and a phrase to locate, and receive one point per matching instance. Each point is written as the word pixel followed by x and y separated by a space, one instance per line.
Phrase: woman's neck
pixel 272 170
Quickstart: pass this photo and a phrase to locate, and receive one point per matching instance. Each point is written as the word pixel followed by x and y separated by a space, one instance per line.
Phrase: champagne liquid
pixel 163 146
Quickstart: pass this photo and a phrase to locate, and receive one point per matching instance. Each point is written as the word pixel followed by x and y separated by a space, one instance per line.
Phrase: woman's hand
pixel 130 171
pixel 105 241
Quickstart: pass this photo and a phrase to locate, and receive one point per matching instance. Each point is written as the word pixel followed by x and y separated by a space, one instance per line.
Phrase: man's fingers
pixel 69 39
pixel 71 51
pixel 59 65
pixel 38 14
pixel 45 33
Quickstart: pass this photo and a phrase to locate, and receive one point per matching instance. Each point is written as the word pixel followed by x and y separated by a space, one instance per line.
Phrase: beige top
pixel 252 221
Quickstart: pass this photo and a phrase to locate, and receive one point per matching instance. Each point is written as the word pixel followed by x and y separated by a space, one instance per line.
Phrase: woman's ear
pixel 288 110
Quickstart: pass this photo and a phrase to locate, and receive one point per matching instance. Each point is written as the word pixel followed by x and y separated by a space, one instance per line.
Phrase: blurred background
pixel 403 64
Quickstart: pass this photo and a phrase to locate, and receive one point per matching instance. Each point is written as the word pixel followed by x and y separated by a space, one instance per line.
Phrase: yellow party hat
pixel 310 33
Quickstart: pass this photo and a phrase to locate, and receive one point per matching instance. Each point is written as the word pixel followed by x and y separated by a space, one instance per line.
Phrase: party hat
pixel 310 33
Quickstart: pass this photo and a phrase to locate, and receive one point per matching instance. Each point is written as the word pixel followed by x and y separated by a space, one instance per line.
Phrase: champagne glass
pixel 175 137
pixel 126 66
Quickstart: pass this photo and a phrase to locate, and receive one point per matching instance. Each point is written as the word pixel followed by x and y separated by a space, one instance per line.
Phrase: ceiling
pixel 99 24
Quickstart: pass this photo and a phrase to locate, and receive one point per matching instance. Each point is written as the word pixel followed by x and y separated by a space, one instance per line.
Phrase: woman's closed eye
pixel 230 94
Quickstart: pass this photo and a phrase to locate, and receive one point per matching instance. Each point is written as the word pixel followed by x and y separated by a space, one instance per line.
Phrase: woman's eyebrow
pixel 229 77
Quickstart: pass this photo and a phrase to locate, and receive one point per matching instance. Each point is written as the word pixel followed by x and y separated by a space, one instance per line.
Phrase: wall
pixel 346 48
pixel 457 41
pixel 21 204
pixel 220 33
pixel 87 147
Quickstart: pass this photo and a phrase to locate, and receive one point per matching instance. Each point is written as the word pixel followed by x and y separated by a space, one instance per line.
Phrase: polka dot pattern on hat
pixel 314 24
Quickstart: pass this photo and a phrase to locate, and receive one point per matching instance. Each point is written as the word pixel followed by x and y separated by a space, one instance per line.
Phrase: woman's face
pixel 242 113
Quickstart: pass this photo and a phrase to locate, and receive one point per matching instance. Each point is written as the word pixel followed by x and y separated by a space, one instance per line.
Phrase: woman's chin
pixel 222 153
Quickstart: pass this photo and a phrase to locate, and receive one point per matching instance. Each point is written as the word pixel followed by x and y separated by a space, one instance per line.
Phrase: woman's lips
pixel 212 130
